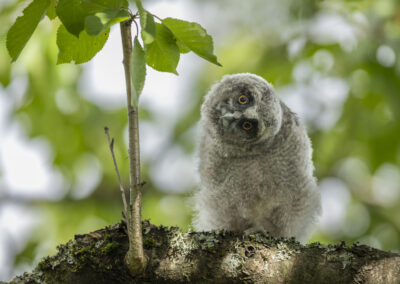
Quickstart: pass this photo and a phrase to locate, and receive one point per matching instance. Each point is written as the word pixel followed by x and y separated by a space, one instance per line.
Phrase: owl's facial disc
pixel 239 124
pixel 245 117
pixel 242 108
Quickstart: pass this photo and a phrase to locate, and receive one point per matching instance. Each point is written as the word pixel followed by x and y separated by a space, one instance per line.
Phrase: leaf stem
pixel 137 28
pixel 155 16
pixel 135 258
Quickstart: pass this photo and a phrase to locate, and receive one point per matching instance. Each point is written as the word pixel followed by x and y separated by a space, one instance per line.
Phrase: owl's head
pixel 242 108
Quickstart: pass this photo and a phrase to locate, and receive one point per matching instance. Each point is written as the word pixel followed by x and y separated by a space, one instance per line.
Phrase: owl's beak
pixel 227 118
pixel 230 115
pixel 227 115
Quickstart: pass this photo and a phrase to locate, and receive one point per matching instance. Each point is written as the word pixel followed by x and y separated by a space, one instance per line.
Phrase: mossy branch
pixel 213 257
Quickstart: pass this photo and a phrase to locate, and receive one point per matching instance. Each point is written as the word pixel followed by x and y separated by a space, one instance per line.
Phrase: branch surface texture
pixel 135 259
pixel 212 257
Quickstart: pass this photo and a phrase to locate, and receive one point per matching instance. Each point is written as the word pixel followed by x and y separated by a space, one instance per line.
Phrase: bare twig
pixel 135 258
pixel 111 145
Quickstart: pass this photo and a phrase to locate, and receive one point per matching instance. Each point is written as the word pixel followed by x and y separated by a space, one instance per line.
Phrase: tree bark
pixel 135 258
pixel 212 257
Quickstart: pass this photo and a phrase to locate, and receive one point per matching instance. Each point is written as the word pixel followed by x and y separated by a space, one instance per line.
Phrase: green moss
pixel 109 267
pixel 344 258
pixel 222 253
pixel 56 276
pixel 83 258
pixel 44 264
pixel 210 249
pixel 83 250
pixel 73 249
pixel 109 247
pixel 149 243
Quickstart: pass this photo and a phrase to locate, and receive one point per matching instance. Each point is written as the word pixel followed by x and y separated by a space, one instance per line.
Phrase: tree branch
pixel 135 258
pixel 212 257
pixel 111 145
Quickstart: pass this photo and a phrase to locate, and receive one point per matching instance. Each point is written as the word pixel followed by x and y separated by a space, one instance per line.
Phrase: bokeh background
pixel 335 63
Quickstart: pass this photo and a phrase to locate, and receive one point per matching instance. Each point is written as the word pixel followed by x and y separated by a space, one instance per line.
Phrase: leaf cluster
pixel 84 27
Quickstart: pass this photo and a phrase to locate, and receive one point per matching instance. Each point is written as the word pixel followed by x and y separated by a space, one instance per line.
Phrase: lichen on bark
pixel 212 257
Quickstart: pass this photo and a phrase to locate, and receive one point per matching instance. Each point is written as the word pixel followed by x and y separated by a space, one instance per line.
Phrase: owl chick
pixel 255 167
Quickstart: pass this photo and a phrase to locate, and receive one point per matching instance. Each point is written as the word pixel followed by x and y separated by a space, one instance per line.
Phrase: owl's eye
pixel 243 99
pixel 247 125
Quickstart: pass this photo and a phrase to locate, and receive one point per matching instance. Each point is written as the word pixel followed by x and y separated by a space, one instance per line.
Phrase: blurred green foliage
pixel 361 149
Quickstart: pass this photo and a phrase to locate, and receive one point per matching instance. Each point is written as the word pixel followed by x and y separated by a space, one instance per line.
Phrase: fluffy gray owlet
pixel 255 165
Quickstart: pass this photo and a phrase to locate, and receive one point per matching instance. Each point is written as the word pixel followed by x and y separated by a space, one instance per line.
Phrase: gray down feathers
pixel 255 167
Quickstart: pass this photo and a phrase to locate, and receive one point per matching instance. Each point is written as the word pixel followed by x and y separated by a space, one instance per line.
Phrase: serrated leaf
pixel 72 15
pixel 80 49
pixel 163 53
pixel 138 70
pixel 95 24
pixel 95 6
pixel 23 28
pixel 51 11
pixel 193 36
pixel 147 24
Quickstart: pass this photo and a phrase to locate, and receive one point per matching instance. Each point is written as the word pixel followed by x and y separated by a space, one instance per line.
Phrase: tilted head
pixel 242 108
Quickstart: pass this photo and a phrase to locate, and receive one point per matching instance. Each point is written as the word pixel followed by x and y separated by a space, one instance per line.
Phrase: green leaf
pixel 5 66
pixel 139 5
pixel 51 12
pixel 163 53
pixel 182 47
pixel 194 37
pixel 72 15
pixel 95 24
pixel 138 70
pixel 148 27
pixel 147 23
pixel 95 6
pixel 23 28
pixel 80 49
